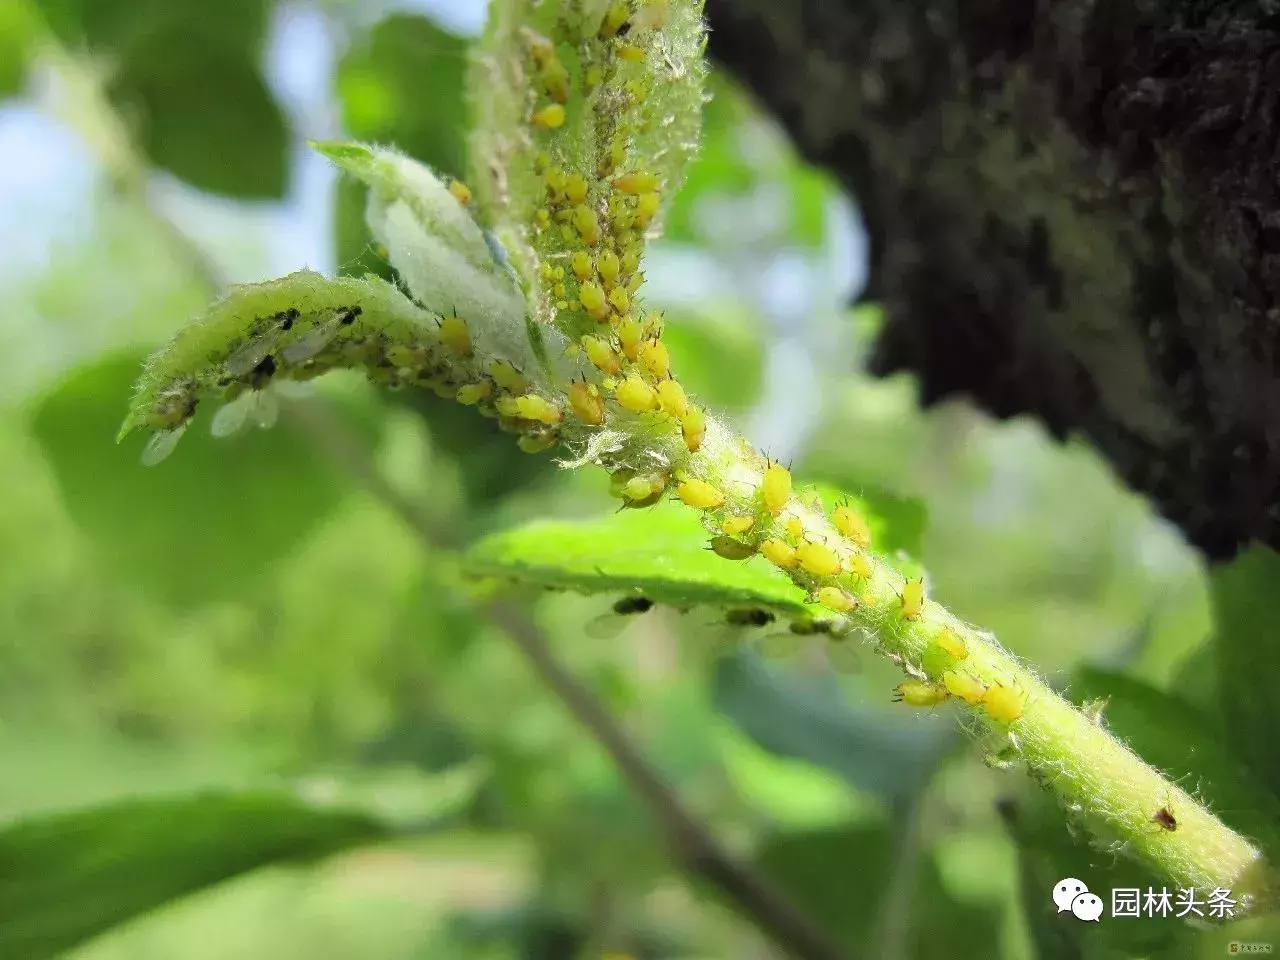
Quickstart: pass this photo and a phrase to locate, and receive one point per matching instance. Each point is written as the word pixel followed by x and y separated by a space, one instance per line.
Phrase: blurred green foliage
pixel 171 640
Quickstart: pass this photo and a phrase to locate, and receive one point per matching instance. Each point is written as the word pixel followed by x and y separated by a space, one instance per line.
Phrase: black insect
pixel 348 315
pixel 750 617
pixel 263 372
pixel 629 605
pixel 1164 816
pixel 286 318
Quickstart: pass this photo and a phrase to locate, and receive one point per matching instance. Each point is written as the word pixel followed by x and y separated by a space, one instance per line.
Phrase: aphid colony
pixel 589 231
pixel 762 523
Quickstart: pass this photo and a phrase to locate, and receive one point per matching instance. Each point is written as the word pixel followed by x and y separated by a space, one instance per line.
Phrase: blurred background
pixel 244 614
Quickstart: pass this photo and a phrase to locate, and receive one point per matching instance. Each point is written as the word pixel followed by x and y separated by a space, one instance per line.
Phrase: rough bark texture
pixel 1075 214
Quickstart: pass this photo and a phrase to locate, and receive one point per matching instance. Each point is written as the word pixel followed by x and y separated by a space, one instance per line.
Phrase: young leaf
pixel 660 552
pixel 448 263
pixel 66 877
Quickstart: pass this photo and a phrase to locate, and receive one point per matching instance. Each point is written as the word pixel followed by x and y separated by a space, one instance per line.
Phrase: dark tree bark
pixel 1074 208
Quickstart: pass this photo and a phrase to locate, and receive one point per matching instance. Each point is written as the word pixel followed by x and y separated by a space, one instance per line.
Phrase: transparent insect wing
pixel 312 342
pixel 844 657
pixel 243 360
pixel 161 444
pixel 606 626
pixel 231 417
pixel 265 409
pixel 782 645
pixel 294 389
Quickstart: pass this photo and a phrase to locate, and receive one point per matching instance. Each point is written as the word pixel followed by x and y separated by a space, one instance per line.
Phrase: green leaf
pixel 1173 735
pixel 404 83
pixel 1248 657
pixel 65 877
pixel 114 27
pixel 203 112
pixel 18 30
pixel 208 524
pixel 841 878
pixel 660 552
pixel 810 718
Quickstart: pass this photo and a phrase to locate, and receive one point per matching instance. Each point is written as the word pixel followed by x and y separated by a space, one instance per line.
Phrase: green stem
pixel 1102 784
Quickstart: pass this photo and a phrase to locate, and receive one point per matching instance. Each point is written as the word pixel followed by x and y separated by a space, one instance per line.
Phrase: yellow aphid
pixel 733 526
pixel 644 490
pixel 557 273
pixel 628 330
pixel 620 299
pixel 533 407
pixel 555 179
pixel 731 549
pixel 456 336
pixel 631 53
pixel 776 488
pixel 581 264
pixel 693 426
pixel 860 565
pixel 550 117
pixel 818 559
pixel 654 356
pixel 587 404
pixel 537 442
pixel 602 356
pixel 672 399
pixel 461 192
pixel 472 393
pixel 700 494
pixel 953 644
pixel 634 283
pixel 608 266
pixel 1002 703
pixel 833 598
pixel 559 290
pixel 647 207
pixel 507 377
pixel 508 406
pixel 794 527
pixel 961 685
pixel 852 525
pixel 636 395
pixel 636 182
pixel 592 299
pixel 591 79
pixel 780 553
pixel 614 18
pixel 566 233
pixel 653 325
pixel 575 188
pixel 542 219
pixel 912 599
pixel 555 80
pixel 541 162
pixel 918 693
pixel 587 224
pixel 630 262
